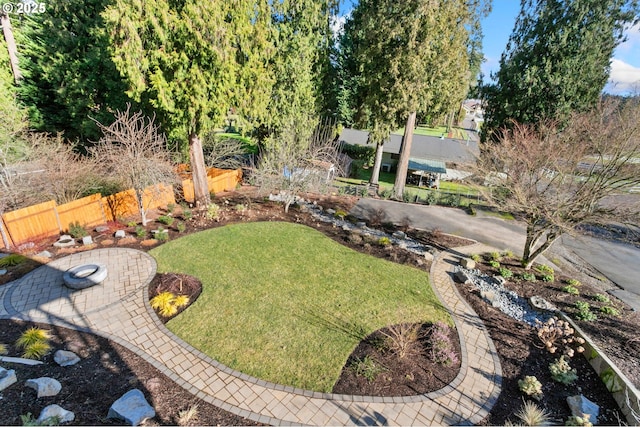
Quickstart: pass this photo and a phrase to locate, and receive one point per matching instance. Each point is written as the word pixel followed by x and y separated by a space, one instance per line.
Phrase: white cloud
pixel 337 25
pixel 624 79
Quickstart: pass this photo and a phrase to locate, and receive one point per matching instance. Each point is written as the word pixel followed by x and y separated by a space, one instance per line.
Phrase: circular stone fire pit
pixel 85 275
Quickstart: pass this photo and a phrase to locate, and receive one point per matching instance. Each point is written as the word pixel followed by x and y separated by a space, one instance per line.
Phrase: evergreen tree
pixel 401 58
pixel 557 60
pixel 69 77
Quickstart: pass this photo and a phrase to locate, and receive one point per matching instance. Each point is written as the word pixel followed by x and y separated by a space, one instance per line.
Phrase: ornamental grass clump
pixel 34 343
pixel 532 415
pixel 441 347
pixel 12 260
pixel 167 304
pixel 403 339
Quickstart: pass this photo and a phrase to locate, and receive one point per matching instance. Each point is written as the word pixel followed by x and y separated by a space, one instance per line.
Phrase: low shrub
pixel 367 368
pixel 611 311
pixel 187 214
pixel 170 208
pixel 562 372
pixel 579 421
pixel 34 342
pixel 340 214
pixel 162 235
pixel 12 260
pixel 557 335
pixel 167 304
pixel 531 387
pixel 584 311
pixel 548 278
pixel 141 232
pixel 180 227
pixel 441 347
pixel 476 257
pixel 602 298
pixel 505 272
pixel 166 220
pixel 572 290
pixel 77 231
pixel 131 224
pixel 403 339
pixel 384 241
pixel 528 276
pixel 573 282
pixel 495 256
pixel 507 253
pixel 494 264
pixel 213 212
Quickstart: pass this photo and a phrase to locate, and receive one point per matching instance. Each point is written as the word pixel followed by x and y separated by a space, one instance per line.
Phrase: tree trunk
pixel 5 238
pixel 141 209
pixel 405 152
pixel 375 173
pixel 11 47
pixel 198 171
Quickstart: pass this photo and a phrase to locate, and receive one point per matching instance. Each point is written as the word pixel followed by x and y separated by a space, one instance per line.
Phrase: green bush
pixel 386 193
pixel 170 208
pixel 562 372
pixel 584 311
pixel 77 231
pixel 34 342
pixel 187 214
pixel 573 282
pixel 476 258
pixel 602 298
pixel 141 232
pixel 508 253
pixel 408 196
pixel 494 264
pixel 528 276
pixel 506 273
pixel 12 260
pixel 548 278
pixel 611 311
pixel 213 212
pixel 431 198
pixel 572 290
pixel 384 241
pixel 495 256
pixel 166 220
pixel 542 268
pixel 180 226
pixel 162 235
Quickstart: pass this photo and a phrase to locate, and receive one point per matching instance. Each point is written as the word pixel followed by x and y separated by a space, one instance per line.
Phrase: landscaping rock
pixel 462 277
pixel 44 254
pixel 132 407
pixel 468 263
pixel 102 229
pixel 65 241
pixel 61 414
pixel 500 280
pixel 399 235
pixel 44 386
pixel 7 377
pixel 65 358
pixel 3 271
pixel 581 405
pixel 361 224
pixel 119 234
pixel 428 256
pixel 330 211
pixel 542 304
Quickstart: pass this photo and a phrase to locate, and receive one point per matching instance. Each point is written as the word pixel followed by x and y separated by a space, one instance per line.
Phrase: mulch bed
pixel 515 342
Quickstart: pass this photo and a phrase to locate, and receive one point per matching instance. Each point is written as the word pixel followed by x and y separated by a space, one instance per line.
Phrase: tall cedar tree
pixel 404 58
pixel 557 60
pixel 69 77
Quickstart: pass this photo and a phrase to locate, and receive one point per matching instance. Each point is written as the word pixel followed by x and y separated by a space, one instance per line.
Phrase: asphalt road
pixel 620 263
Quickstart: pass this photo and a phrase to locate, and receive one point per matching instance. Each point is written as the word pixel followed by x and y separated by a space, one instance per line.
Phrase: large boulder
pixel 44 386
pixel 65 358
pixel 132 407
pixel 7 377
pixel 468 263
pixel 61 415
pixel 462 277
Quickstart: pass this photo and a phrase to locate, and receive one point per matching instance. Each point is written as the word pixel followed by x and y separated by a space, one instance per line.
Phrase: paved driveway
pixel 618 262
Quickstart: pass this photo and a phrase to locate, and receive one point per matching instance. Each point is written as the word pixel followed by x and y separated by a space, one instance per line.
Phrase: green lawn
pixel 284 303
pixel 457 133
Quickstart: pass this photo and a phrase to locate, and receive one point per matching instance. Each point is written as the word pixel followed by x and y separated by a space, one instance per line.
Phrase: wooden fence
pixel 49 219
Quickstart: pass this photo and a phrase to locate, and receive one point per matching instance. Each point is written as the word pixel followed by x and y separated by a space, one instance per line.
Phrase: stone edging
pixel 623 391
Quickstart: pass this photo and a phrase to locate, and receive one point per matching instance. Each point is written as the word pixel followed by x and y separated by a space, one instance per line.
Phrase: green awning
pixel 433 166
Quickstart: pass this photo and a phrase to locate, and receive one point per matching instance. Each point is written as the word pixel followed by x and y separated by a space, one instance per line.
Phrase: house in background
pixel 429 154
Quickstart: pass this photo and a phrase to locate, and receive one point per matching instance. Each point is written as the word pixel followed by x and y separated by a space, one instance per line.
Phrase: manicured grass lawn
pixel 437 131
pixel 284 303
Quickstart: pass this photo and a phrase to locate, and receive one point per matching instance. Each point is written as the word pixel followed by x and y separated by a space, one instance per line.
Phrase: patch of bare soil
pixel 515 342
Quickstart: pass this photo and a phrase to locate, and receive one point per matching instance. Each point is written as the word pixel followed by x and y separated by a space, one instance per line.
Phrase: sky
pixel 496 28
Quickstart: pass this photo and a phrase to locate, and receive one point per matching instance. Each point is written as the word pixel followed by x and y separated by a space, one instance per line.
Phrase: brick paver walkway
pixel 118 309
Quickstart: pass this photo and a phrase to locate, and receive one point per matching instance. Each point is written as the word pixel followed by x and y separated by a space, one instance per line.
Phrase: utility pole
pixel 11 46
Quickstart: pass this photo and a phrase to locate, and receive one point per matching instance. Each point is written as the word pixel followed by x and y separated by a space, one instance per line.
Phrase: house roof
pixel 433 166
pixel 423 147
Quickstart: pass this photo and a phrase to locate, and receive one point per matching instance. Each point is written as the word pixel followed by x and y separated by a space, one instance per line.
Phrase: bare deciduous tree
pixel 293 164
pixel 134 151
pixel 557 178
pixel 224 153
